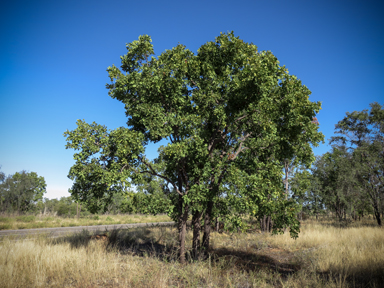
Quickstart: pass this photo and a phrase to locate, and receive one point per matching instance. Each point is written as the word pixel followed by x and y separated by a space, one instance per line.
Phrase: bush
pixel 26 218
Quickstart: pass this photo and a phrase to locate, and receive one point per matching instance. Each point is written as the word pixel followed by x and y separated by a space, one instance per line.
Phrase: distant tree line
pixel 23 193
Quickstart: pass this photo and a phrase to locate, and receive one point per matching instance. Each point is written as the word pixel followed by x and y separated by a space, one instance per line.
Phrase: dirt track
pixel 54 232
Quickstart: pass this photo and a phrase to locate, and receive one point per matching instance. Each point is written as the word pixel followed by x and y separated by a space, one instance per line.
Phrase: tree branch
pixel 154 173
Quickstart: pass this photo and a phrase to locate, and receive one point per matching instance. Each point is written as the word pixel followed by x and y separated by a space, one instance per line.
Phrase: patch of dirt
pixel 104 237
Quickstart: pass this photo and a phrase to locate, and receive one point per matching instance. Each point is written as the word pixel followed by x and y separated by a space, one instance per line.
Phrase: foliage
pixel 349 179
pixel 334 180
pixel 21 191
pixel 226 111
pixel 362 132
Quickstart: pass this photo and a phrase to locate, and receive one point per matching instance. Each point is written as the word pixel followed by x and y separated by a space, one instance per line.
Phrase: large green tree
pixel 227 111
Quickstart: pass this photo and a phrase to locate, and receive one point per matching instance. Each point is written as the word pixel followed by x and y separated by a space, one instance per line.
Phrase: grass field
pixel 41 221
pixel 324 255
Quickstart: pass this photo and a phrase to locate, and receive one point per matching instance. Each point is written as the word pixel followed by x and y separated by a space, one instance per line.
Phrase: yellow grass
pixel 356 253
pixel 323 256
pixel 41 221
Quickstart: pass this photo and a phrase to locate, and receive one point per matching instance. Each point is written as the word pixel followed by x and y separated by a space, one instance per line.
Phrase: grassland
pixel 40 221
pixel 325 255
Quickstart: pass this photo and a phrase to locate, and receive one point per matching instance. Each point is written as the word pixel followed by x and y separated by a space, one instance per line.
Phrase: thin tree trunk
pixel 207 227
pixel 196 234
pixel 264 224
pixel 286 166
pixel 377 215
pixel 182 225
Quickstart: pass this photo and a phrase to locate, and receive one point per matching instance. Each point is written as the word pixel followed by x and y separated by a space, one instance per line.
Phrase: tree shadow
pixel 254 261
pixel 144 242
pixel 137 242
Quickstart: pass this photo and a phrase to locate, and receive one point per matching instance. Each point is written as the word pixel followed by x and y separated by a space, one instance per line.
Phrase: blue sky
pixel 54 56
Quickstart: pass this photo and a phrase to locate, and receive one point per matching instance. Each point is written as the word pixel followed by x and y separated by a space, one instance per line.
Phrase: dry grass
pixel 323 256
pixel 41 221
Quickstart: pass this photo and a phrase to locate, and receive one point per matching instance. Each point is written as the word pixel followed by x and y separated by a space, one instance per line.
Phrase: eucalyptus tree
pixel 333 178
pixel 363 133
pixel 226 111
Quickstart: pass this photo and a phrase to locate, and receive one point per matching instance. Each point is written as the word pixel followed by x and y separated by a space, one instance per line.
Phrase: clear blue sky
pixel 54 55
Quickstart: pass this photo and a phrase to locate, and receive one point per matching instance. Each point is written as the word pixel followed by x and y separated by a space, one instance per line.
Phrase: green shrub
pixel 5 226
pixel 46 219
pixel 26 218
pixel 6 219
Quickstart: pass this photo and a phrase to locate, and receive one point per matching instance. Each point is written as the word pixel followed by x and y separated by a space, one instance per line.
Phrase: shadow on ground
pixel 142 242
pixel 249 261
pixel 161 243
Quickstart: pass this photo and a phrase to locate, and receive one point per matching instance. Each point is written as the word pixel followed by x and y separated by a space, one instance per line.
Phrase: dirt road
pixel 59 231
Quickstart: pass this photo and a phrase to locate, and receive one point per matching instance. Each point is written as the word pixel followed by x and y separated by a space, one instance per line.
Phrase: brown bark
pixel 207 227
pixel 377 215
pixel 263 223
pixel 196 234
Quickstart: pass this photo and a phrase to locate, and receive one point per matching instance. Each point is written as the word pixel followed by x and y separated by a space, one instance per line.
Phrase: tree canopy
pixel 231 115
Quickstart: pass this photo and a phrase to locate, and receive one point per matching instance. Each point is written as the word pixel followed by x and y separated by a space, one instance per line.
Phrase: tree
pixel 362 132
pixel 227 111
pixel 333 178
pixel 2 179
pixel 20 191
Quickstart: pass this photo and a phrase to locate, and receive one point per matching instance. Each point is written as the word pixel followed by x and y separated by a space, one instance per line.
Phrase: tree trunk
pixel 196 234
pixel 207 227
pixel 263 224
pixel 182 225
pixel 378 218
pixel 377 215
pixel 268 226
pixel 286 166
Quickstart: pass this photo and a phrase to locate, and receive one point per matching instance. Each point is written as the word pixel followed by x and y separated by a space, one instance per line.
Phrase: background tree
pixel 334 180
pixel 2 179
pixel 227 110
pixel 363 133
pixel 21 191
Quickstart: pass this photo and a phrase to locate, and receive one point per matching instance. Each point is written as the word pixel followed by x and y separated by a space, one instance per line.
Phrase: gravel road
pixel 54 232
